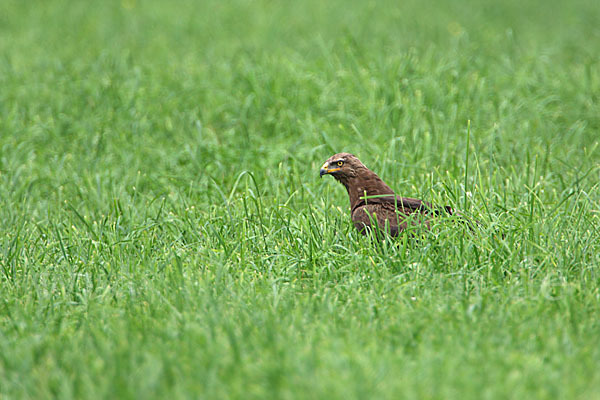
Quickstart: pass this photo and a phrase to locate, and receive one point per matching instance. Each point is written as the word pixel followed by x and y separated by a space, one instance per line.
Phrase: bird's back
pixel 393 213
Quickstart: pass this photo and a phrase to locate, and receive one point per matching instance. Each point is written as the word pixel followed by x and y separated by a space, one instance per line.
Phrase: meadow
pixel 164 232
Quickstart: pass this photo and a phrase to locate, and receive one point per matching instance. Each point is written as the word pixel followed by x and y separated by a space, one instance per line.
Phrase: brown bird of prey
pixel 371 200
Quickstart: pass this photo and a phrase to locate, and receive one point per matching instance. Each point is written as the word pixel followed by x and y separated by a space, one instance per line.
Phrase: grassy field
pixel 164 232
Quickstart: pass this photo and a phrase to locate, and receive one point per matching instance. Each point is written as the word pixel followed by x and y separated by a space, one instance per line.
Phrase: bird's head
pixel 341 166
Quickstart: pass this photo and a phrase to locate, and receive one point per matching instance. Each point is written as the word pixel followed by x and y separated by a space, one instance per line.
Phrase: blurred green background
pixel 164 231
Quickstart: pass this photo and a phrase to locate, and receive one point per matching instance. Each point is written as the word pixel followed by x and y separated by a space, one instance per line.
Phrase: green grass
pixel 164 232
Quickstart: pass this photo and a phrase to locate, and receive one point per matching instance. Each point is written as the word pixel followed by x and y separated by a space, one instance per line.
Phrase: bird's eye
pixel 340 163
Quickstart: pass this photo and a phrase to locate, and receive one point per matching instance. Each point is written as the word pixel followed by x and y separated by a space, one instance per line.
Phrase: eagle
pixel 373 201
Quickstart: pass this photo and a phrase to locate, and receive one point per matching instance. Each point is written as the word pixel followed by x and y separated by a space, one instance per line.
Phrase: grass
pixel 164 232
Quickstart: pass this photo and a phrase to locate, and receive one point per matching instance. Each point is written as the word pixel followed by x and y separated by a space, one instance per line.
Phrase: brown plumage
pixel 392 213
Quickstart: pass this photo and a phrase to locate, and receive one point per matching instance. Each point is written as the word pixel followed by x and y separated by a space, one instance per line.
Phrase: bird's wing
pixel 408 205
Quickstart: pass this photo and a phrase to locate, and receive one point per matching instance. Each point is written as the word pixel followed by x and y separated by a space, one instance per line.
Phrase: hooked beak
pixel 326 170
pixel 323 170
